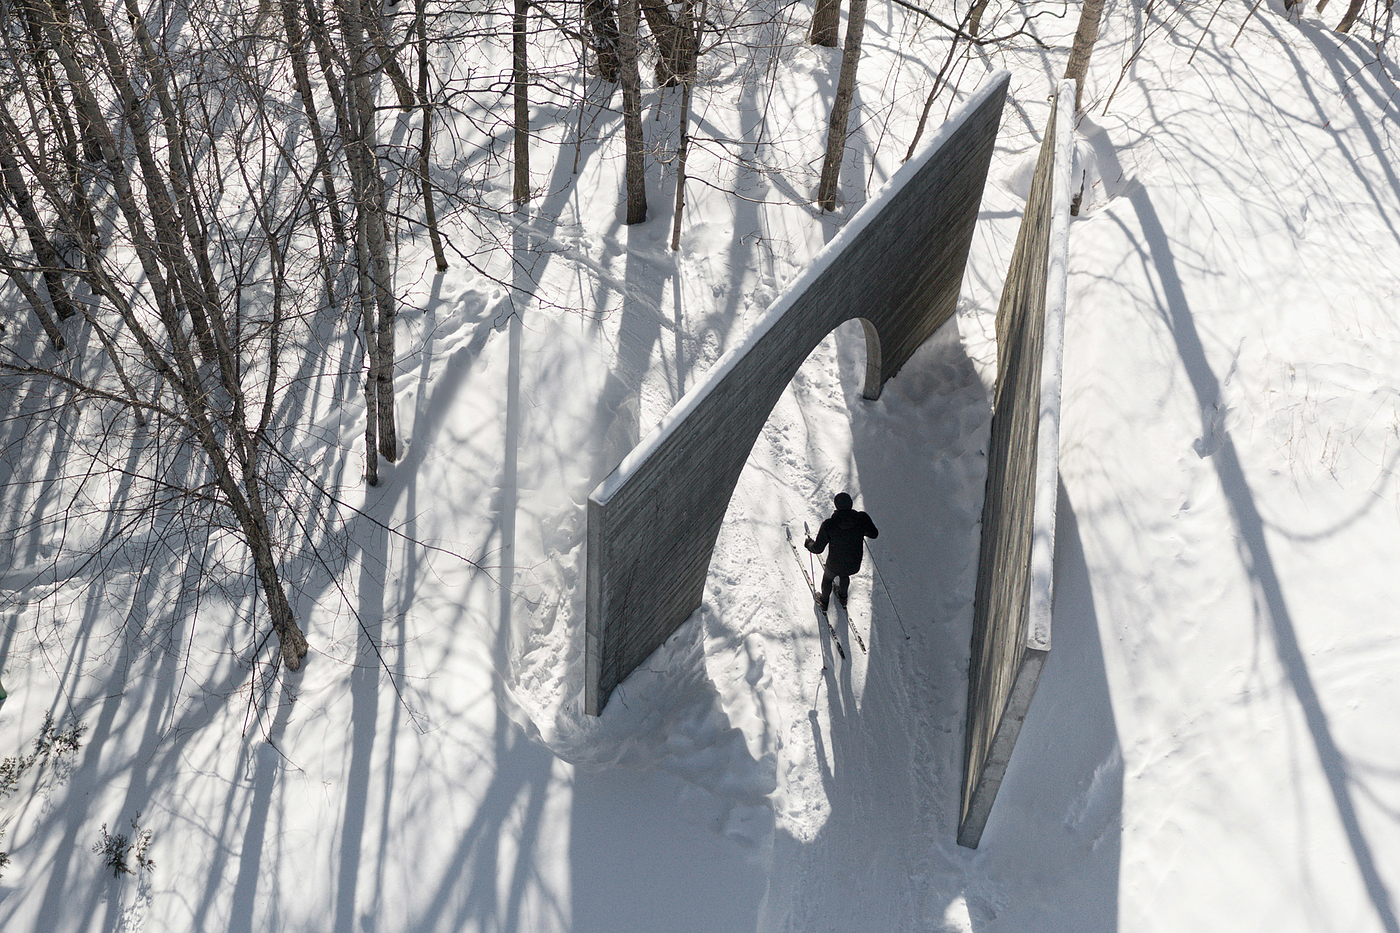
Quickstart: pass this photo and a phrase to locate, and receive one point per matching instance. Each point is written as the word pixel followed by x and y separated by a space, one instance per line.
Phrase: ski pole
pixel 876 564
pixel 807 531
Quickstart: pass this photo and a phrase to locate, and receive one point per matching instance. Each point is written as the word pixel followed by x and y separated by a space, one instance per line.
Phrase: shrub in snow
pixel 117 848
pixel 50 745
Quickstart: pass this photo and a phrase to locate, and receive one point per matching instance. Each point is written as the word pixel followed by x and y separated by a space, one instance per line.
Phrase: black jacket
pixel 845 532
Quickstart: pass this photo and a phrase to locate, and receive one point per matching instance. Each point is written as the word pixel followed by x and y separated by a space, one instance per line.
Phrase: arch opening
pixel 873 381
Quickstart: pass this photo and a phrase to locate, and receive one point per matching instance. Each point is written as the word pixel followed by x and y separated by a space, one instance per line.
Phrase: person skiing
pixel 845 533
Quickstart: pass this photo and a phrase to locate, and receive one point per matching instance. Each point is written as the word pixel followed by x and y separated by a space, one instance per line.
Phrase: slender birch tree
pixel 841 108
pixel 1085 35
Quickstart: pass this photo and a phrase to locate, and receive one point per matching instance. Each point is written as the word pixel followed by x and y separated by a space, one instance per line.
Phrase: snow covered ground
pixel 1213 744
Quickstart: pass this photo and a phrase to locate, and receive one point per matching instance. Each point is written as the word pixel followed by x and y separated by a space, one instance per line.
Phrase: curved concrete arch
pixel 873 356
pixel 897 266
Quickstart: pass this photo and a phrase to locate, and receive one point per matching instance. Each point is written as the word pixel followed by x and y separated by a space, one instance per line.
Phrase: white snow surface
pixel 1213 745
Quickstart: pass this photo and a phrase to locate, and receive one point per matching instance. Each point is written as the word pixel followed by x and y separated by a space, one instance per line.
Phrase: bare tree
pixel 940 80
pixel 368 186
pixel 1085 35
pixel 841 108
pixel 631 81
pixel 604 37
pixel 16 192
pixel 168 193
pixel 388 61
pixel 296 48
pixel 425 146
pixel 177 312
pixel 672 42
pixel 520 83
pixel 693 26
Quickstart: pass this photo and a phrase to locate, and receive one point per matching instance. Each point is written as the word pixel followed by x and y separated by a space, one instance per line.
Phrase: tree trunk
pixel 692 30
pixel 1352 13
pixel 172 216
pixel 161 256
pixel 289 635
pixel 841 108
pixel 325 59
pixel 520 80
pixel 296 47
pixel 425 146
pixel 1084 38
pixel 388 318
pixel 369 200
pixel 354 109
pixel 632 115
pixel 203 292
pixel 372 364
pixel 253 516
pixel 46 321
pixel 142 244
pixel 826 23
pixel 974 17
pixel 670 42
pixel 388 63
pixel 36 24
pixel 603 37
pixel 13 181
pixel 54 103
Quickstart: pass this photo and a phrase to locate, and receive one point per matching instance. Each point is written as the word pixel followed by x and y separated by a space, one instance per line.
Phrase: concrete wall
pixel 897 266
pixel 1011 615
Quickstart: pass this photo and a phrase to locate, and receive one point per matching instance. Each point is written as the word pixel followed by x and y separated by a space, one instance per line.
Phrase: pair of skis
pixel 816 597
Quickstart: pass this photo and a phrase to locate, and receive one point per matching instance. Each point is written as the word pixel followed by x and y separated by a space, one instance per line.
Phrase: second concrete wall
pixel 1012 610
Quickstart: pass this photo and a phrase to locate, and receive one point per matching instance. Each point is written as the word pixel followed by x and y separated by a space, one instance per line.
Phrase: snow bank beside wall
pixel 898 267
pixel 1011 615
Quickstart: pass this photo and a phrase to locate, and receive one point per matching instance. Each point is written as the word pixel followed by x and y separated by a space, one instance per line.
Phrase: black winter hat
pixel 843 501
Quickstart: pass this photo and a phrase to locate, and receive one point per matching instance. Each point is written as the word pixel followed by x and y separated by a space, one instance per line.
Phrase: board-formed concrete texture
pixel 897 266
pixel 1012 610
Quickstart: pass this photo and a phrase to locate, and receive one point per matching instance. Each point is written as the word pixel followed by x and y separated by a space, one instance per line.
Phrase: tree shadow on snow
pixel 1255 555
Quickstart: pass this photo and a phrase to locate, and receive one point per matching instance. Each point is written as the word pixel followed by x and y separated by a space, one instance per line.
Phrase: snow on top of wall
pixel 1047 470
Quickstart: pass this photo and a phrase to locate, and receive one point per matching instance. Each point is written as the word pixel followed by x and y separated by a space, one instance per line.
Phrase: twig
pixel 1164 24
pixel 938 84
pixel 960 33
pixel 1205 32
pixel 1245 23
